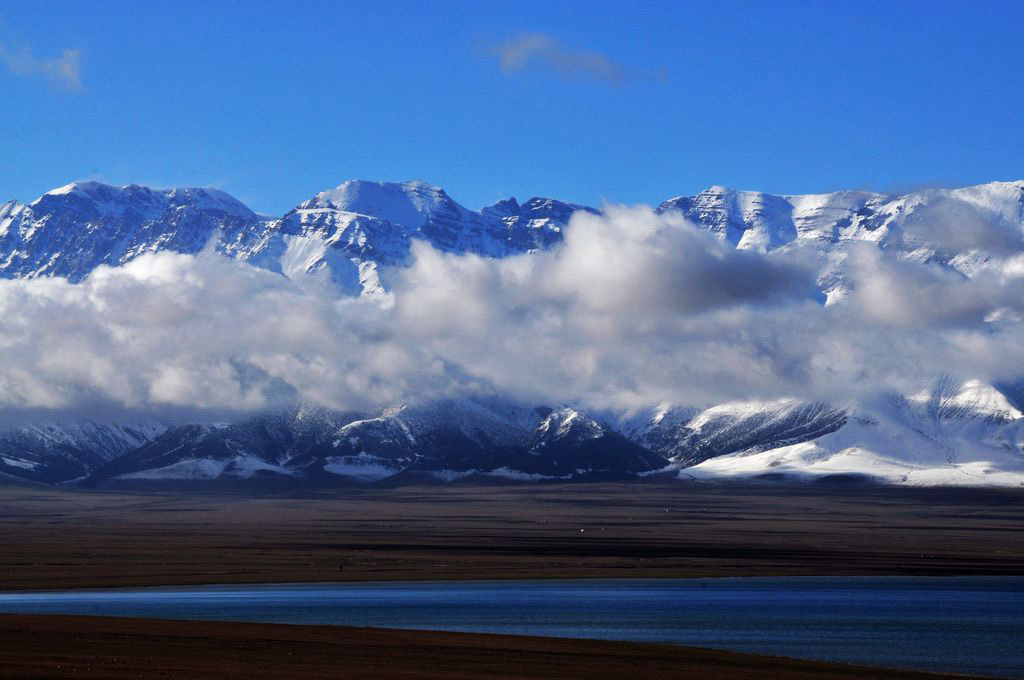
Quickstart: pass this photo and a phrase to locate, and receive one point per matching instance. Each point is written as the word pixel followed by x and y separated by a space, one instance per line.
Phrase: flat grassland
pixel 64 539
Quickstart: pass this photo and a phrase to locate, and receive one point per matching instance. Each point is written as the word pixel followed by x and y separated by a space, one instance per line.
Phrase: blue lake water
pixel 955 624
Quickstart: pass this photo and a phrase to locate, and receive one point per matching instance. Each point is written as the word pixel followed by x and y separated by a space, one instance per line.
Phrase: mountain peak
pixel 109 198
pixel 72 229
pixel 78 187
pixel 407 203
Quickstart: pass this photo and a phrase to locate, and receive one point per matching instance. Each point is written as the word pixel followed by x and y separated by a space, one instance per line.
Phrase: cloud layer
pixel 633 309
pixel 64 71
pixel 539 50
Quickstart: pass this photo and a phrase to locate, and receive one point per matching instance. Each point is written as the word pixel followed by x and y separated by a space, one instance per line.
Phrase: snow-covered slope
pixel 689 436
pixel 948 433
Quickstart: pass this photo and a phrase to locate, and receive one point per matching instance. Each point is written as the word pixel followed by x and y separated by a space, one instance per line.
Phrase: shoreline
pixel 516 579
pixel 54 646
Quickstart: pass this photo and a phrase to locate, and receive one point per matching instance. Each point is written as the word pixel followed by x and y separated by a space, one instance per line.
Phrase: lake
pixel 956 624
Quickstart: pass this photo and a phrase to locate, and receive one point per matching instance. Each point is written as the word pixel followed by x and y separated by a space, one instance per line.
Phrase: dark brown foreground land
pixel 57 539
pixel 94 647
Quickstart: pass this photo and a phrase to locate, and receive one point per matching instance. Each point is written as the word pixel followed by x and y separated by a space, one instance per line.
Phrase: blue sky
pixel 630 102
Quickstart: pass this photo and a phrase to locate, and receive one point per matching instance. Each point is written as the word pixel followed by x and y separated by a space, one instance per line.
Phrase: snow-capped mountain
pixel 751 219
pixel 583 447
pixel 353 236
pixel 347 234
pixel 690 436
pixel 447 440
pixel 61 451
pixel 353 232
pixel 72 230
pixel 922 225
pixel 947 434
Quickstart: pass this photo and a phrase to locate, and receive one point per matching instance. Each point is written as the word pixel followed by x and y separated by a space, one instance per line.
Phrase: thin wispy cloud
pixel 64 71
pixel 539 50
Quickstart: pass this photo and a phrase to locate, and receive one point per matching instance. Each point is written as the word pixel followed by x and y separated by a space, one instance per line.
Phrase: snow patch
pixel 239 467
pixel 363 467
pixel 519 476
pixel 23 464
pixel 451 475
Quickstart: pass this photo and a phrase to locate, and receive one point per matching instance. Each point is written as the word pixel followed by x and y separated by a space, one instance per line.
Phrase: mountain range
pixel 353 237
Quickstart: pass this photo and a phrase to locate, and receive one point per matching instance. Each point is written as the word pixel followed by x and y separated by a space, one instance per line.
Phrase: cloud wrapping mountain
pixel 632 308
pixel 615 312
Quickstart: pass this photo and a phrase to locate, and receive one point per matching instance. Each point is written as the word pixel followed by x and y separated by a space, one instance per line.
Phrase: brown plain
pixel 63 539
pixel 54 539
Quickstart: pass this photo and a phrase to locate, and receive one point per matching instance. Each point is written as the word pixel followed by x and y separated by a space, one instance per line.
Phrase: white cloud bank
pixel 631 310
